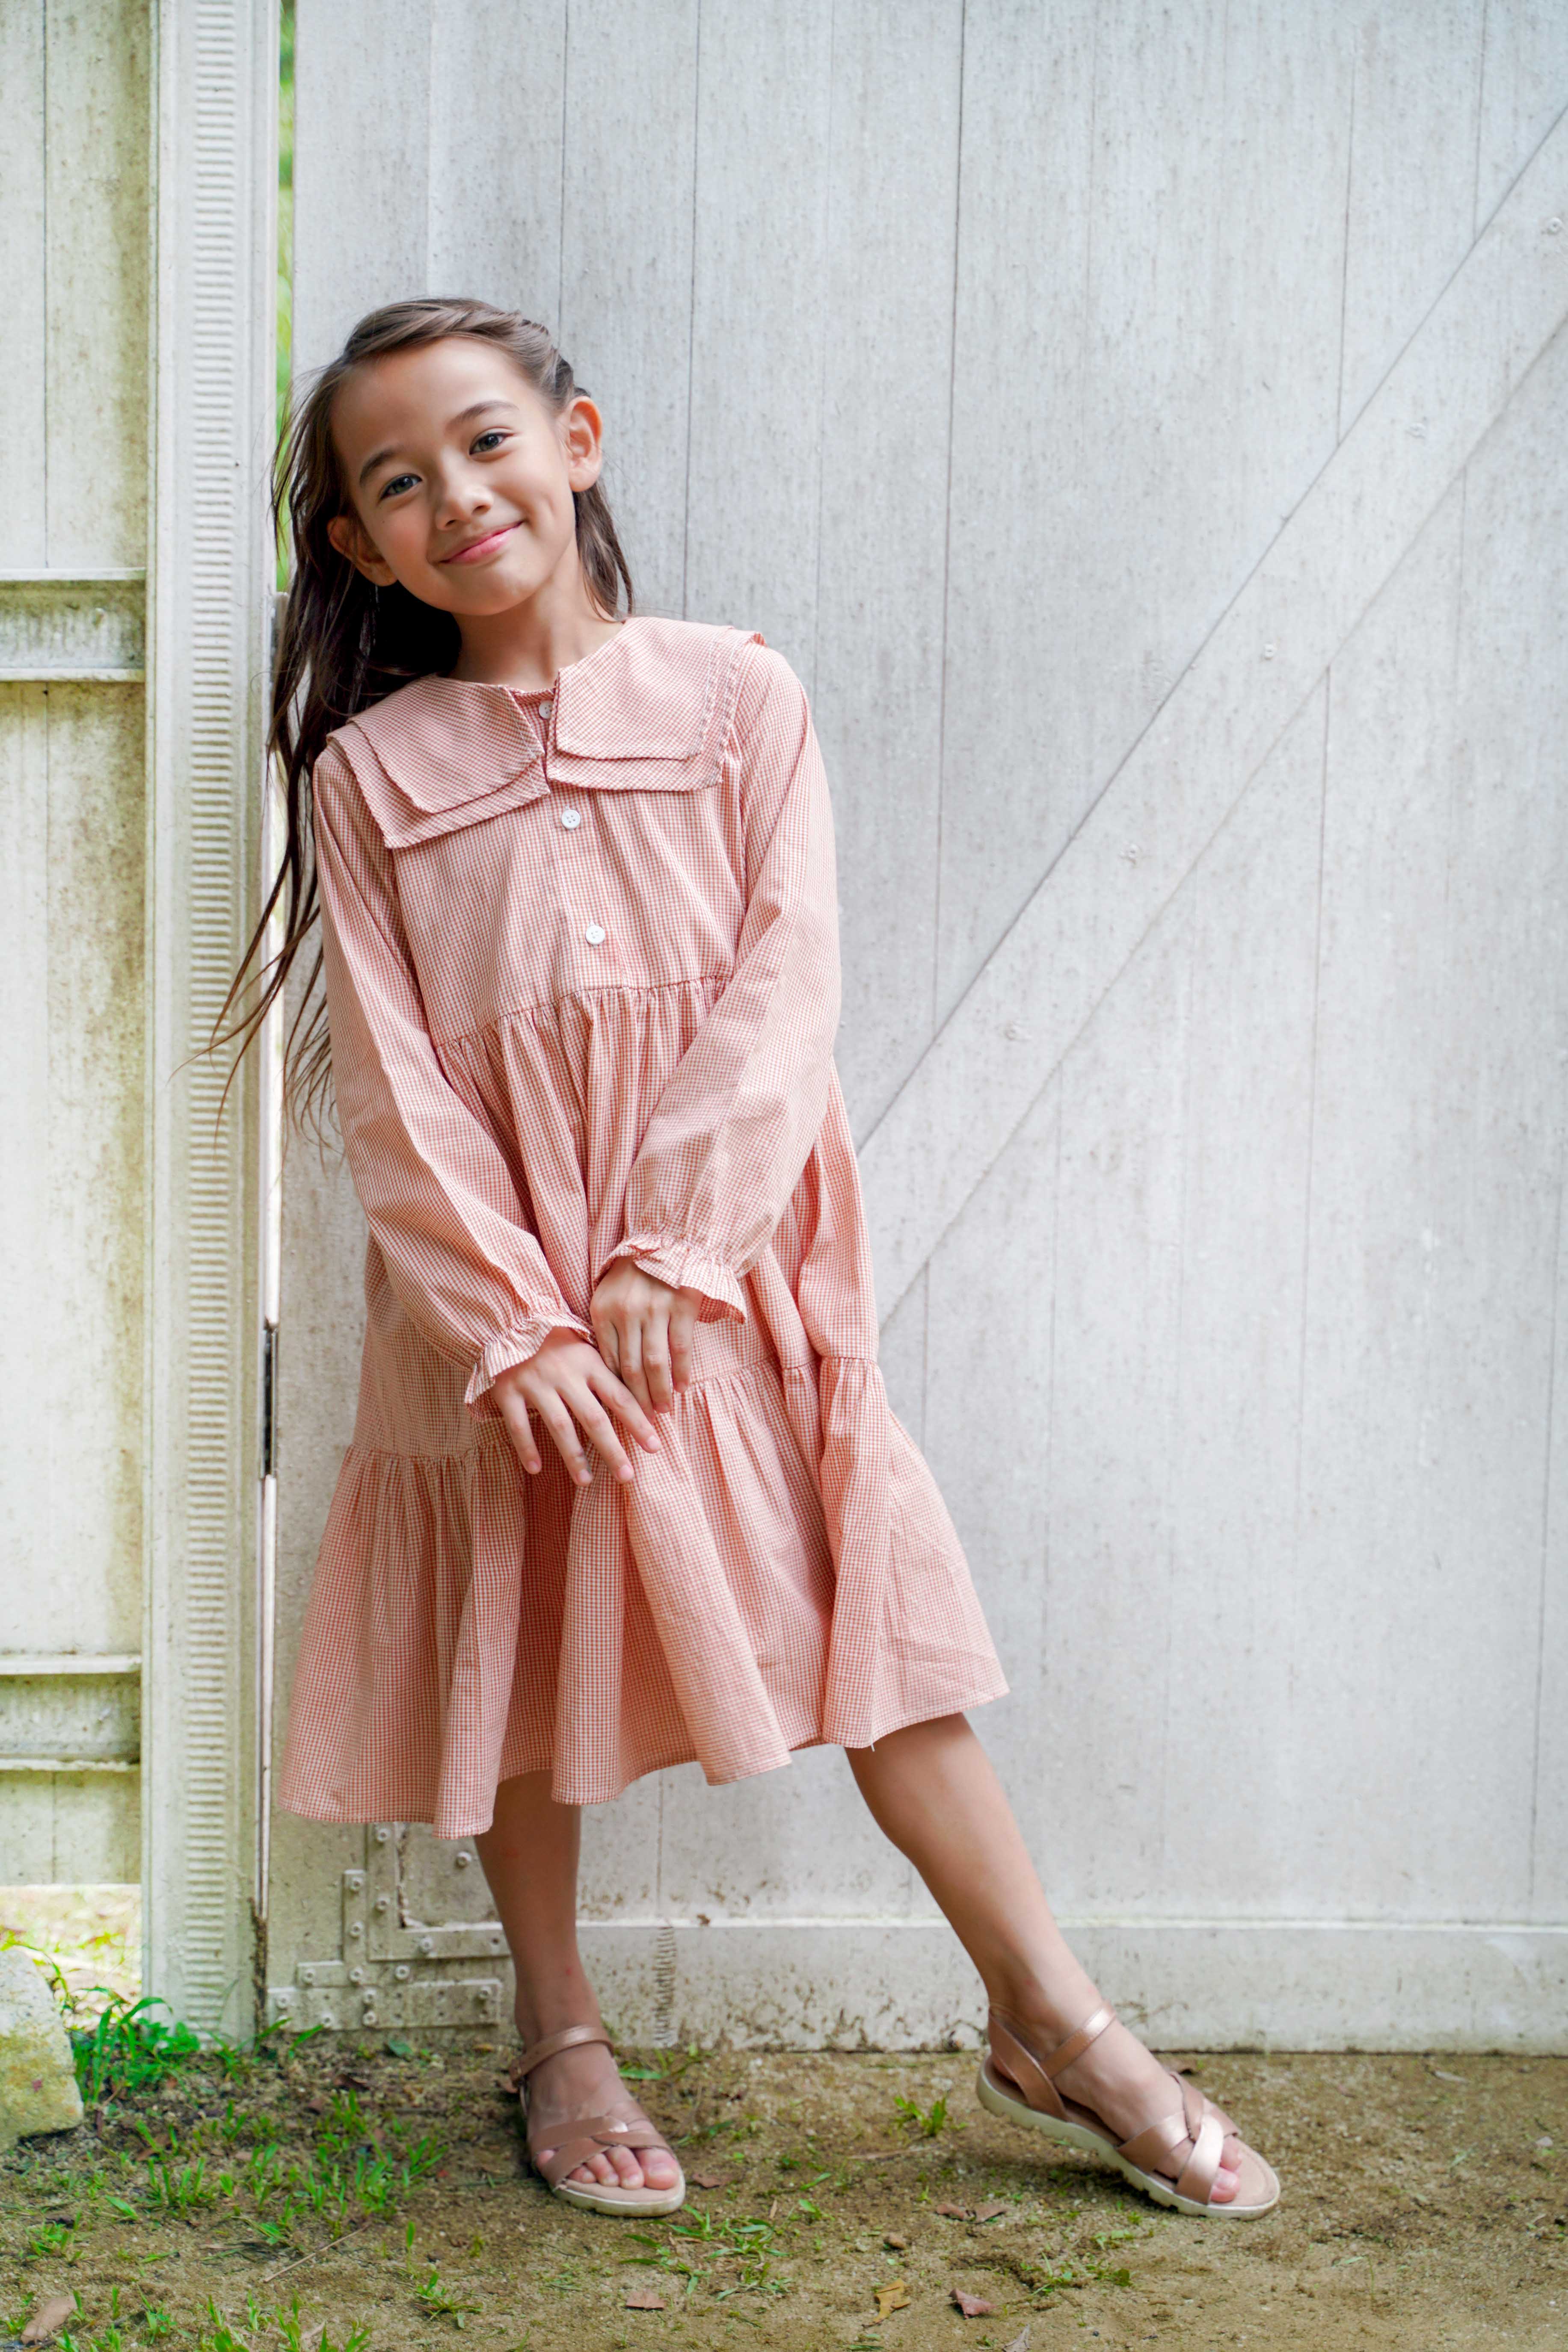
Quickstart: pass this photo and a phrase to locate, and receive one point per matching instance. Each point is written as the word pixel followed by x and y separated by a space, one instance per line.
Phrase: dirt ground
pixel 335 2195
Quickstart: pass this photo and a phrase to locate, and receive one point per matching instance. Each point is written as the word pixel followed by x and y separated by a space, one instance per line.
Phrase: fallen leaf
pixel 894 2296
pixel 893 2239
pixel 51 2314
pixel 397 2046
pixel 1443 2075
pixel 992 2212
pixel 1020 2343
pixel 68 2219
pixel 973 2307
pixel 317 2106
pixel 645 2298
pixel 957 2212
pixel 710 2180
pixel 351 2082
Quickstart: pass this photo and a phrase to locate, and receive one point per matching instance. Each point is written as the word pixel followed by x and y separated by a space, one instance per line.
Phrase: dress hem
pixel 425 1815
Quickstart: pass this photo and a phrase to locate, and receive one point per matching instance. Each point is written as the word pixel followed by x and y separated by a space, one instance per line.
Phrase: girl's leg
pixel 932 1789
pixel 530 1857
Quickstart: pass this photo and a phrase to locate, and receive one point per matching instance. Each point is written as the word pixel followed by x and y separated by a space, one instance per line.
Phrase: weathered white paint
pixel 74 267
pixel 215 174
pixel 1140 438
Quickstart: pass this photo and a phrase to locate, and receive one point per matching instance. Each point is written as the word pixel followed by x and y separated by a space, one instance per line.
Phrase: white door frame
pixel 214 239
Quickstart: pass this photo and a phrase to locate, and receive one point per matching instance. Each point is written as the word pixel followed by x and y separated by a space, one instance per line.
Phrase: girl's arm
pixel 735 1126
pixel 429 1175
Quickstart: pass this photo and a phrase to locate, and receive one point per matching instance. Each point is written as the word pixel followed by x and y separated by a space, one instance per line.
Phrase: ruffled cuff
pixel 685 1266
pixel 515 1347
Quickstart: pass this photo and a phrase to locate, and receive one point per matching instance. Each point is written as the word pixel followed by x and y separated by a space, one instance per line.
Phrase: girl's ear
pixel 349 538
pixel 583 430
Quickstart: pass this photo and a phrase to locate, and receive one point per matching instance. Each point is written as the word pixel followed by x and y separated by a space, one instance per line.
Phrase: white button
pixel 571 816
pixel 595 933
pixel 544 708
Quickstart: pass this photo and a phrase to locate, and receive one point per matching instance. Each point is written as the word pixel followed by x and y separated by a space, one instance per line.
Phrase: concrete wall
pixel 1142 433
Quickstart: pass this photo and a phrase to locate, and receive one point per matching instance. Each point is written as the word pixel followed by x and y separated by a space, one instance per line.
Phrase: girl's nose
pixel 459 500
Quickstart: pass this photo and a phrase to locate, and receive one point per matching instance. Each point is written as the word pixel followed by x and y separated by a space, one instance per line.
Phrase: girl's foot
pixel 586 2081
pixel 1124 2084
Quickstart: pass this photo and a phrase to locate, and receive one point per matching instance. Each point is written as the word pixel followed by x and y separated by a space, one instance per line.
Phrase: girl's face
pixel 461 477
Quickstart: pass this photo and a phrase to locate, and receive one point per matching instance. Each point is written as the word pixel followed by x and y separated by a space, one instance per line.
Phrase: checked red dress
pixel 582 974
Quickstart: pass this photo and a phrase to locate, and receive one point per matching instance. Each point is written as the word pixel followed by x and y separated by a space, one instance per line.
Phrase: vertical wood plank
pixel 495 170
pixel 362 166
pixel 1410 205
pixel 84 1590
pixel 23 278
pixel 766 79
pixel 876 652
pixel 1114 1430
pixel 96 360
pixel 1524 87
pixel 1224 1799
pixel 1433 1240
pixel 26 1175
pixel 624 302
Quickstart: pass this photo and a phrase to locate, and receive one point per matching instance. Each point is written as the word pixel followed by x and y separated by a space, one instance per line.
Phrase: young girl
pixel 625 1490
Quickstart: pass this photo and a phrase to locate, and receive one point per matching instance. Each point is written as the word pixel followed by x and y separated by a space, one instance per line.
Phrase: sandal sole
pixel 602 2198
pixel 1093 2143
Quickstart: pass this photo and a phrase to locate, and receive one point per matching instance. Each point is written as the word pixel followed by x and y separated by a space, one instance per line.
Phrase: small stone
pixel 893 2239
pixel 37 2075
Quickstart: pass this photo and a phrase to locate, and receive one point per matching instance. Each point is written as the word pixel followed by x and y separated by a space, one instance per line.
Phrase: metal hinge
pixel 268 1400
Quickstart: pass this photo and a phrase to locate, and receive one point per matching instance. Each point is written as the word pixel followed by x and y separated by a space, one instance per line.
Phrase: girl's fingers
pixel 682 1322
pixel 602 1432
pixel 514 1412
pixel 620 1400
pixel 630 1367
pixel 656 1361
pixel 564 1430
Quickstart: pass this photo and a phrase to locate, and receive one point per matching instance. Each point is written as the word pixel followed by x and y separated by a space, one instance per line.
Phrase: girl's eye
pixel 494 433
pixel 398 482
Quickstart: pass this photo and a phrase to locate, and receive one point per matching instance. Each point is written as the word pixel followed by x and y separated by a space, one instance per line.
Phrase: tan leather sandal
pixel 1023 2088
pixel 576 2138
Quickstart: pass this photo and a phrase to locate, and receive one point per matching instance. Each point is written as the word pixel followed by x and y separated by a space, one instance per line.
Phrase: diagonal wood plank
pixel 1180 779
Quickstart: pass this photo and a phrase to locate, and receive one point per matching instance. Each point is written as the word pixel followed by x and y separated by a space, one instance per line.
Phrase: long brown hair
pixel 344 645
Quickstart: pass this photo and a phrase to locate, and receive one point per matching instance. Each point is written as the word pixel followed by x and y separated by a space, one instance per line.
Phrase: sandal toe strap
pixel 572 2141
pixel 1198 2120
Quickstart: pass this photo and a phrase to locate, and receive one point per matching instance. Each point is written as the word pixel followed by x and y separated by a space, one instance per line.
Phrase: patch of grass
pixel 703 2247
pixel 127 2050
pixel 439 2300
pixel 925 2123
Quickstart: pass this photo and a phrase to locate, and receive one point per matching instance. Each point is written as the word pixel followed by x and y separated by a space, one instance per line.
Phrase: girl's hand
pixel 644 1329
pixel 567 1381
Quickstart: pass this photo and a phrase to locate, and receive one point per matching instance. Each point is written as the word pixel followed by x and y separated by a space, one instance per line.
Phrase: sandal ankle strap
pixel 547 2046
pixel 1056 2061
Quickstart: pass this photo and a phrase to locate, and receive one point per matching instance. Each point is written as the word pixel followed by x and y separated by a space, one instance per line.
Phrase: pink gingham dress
pixel 582 974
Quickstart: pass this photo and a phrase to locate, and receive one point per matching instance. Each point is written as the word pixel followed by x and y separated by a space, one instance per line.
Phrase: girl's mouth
pixel 476 547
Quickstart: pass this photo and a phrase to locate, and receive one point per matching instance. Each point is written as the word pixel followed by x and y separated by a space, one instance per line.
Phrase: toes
pixel 1225 2184
pixel 628 2171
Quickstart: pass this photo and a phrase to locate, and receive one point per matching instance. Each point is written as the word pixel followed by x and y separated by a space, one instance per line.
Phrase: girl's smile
pixel 474 550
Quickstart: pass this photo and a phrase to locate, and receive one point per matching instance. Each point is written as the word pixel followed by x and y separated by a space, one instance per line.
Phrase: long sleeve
pixel 734 1127
pixel 431 1178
